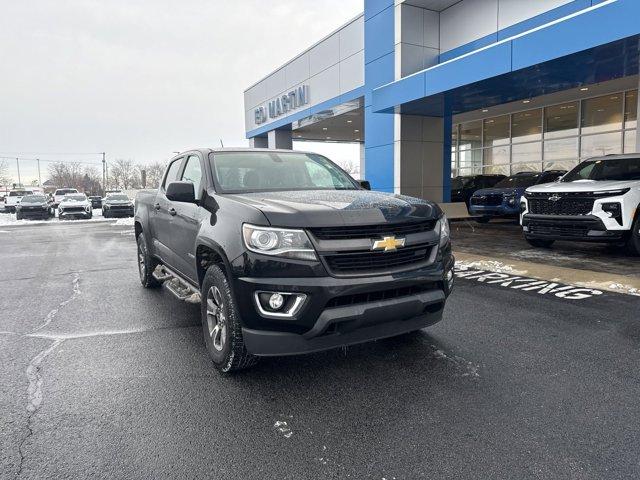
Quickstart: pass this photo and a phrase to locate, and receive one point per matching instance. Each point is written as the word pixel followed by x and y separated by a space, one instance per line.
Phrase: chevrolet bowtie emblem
pixel 388 244
pixel 555 197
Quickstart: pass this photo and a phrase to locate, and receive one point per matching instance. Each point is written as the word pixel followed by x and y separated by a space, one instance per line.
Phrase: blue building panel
pixel 379 167
pixel 382 42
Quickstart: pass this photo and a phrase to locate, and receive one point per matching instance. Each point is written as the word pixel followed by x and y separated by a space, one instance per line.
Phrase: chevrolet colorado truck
pixel 597 201
pixel 287 254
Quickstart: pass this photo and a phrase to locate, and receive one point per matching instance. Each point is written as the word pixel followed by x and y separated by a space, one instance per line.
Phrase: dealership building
pixel 432 89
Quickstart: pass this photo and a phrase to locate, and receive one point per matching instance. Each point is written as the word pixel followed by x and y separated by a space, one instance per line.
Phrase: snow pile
pixel 488 265
pixel 128 221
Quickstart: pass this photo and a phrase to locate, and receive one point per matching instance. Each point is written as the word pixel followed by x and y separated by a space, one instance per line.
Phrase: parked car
pixel 503 200
pixel 117 205
pixel 13 199
pixel 35 206
pixel 96 201
pixel 59 194
pixel 287 254
pixel 75 205
pixel 462 188
pixel 597 201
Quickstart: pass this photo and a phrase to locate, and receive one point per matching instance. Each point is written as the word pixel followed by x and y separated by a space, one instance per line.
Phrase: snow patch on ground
pixel 488 265
pixel 124 221
pixel 283 428
pixel 468 369
pixel 546 255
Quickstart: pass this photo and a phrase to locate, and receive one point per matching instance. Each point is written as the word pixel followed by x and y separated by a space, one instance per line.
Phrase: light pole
pixel 18 165
pixel 39 177
pixel 104 173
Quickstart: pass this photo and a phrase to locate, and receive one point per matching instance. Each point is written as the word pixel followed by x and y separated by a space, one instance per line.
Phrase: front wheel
pixel 18 216
pixel 538 243
pixel 633 244
pixel 221 324
pixel 146 264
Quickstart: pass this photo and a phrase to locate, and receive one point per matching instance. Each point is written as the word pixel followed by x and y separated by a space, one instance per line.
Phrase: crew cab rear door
pixel 162 213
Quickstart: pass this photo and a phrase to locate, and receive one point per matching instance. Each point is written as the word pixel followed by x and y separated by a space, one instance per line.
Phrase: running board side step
pixel 181 289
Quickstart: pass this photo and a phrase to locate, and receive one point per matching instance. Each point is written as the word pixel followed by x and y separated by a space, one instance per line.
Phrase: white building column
pixel 281 139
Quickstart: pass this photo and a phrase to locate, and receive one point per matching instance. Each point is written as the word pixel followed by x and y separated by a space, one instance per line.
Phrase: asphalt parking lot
pixel 102 378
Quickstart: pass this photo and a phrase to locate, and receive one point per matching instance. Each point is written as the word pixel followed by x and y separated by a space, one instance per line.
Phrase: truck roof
pixel 614 157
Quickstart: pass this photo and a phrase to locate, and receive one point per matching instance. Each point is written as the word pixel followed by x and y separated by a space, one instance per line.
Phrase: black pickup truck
pixel 287 254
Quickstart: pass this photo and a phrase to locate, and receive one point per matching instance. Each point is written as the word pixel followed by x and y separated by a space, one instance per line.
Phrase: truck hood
pixel 330 208
pixel 583 186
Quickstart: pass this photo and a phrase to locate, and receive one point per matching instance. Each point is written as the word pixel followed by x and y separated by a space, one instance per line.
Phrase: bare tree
pixel 74 175
pixel 5 178
pixel 350 167
pixel 123 174
pixel 154 173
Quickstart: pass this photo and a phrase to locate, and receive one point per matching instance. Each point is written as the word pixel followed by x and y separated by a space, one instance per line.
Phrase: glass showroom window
pixel 601 126
pixel 630 121
pixel 454 150
pixel 496 139
pixel 470 148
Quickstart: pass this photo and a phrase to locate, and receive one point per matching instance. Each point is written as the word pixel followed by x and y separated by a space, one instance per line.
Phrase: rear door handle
pixel 157 206
pixel 172 211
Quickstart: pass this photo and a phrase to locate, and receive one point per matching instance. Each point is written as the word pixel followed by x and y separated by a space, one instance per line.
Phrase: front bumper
pixel 119 212
pixel 35 214
pixel 343 311
pixel 585 228
pixel 504 210
pixel 83 214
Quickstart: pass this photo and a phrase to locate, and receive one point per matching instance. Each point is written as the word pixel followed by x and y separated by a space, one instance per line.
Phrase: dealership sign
pixel 296 98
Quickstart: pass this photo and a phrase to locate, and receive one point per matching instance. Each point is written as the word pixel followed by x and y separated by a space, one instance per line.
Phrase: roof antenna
pixel 221 144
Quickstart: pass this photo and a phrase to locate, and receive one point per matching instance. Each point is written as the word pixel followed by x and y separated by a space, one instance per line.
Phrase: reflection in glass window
pixel 631 109
pixel 603 144
pixel 567 165
pixel 526 167
pixel 562 149
pixel 496 170
pixel 496 131
pixel 602 114
pixel 527 126
pixel 561 120
pixel 630 141
pixel 496 155
pixel 470 158
pixel 470 135
pixel 526 152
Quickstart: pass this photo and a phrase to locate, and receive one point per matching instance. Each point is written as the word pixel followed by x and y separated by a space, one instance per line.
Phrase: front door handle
pixel 157 206
pixel 172 211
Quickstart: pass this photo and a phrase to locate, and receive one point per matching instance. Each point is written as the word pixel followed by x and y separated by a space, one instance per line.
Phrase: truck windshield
pixel 620 169
pixel 34 199
pixel 244 172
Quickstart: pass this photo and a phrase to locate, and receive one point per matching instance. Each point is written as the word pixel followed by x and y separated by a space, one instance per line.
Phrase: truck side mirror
pixel 181 192
pixel 365 184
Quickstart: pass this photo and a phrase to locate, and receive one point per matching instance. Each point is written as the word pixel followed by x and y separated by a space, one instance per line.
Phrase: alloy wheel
pixel 216 319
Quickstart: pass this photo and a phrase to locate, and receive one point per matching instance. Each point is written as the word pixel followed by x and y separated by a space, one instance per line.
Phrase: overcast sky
pixel 140 79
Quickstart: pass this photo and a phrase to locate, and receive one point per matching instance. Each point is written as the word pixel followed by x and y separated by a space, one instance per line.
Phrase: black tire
pixel 18 216
pixel 105 214
pixel 633 243
pixel 538 243
pixel 221 324
pixel 483 219
pixel 146 264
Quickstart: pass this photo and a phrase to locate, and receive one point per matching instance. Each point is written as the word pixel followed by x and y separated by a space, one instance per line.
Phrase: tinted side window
pixel 193 173
pixel 172 173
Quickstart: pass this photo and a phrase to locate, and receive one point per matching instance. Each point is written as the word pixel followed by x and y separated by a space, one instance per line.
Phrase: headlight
pixel 445 231
pixel 88 208
pixel 106 206
pixel 278 242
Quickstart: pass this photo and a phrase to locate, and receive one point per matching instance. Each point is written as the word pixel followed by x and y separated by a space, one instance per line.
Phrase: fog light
pixel 276 301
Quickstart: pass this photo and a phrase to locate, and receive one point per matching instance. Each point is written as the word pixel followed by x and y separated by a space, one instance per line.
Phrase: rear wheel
pixel 18 216
pixel 221 324
pixel 146 264
pixel 633 244
pixel 538 243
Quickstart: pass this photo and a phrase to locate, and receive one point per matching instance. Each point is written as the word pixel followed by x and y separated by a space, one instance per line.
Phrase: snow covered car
pixel 59 194
pixel 35 206
pixel 75 205
pixel 597 201
pixel 12 200
pixel 117 205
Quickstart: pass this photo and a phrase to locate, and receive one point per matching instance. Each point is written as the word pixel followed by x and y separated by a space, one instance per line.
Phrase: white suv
pixel 59 194
pixel 12 200
pixel 597 201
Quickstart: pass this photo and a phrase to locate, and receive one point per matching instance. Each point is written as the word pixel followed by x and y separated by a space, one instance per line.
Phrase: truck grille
pixel 569 231
pixel 370 231
pixel 565 206
pixel 492 200
pixel 121 207
pixel 353 263
pixel 74 210
pixel 380 295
